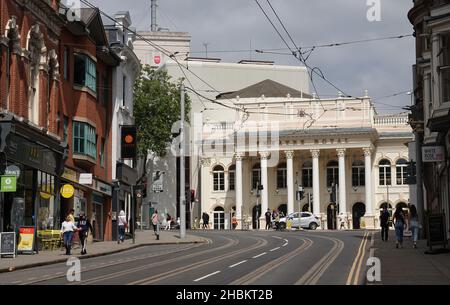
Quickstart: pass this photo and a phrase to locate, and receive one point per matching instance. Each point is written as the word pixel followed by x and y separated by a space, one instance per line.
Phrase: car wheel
pixel 282 226
pixel 313 226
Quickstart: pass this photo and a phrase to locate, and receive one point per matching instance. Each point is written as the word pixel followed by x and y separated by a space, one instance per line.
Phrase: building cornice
pixel 45 13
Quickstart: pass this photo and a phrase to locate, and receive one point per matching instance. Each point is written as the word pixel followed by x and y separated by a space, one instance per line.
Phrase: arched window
pixel 358 174
pixel 332 173
pixel 231 177
pixel 385 172
pixel 400 168
pixel 256 176
pixel 282 176
pixel 218 178
pixel 307 174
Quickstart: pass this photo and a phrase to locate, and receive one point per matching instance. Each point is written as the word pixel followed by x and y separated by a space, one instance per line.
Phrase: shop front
pixel 122 200
pixel 34 162
pixel 92 199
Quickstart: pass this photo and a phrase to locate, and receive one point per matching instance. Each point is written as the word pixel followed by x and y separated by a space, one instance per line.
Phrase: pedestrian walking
pixel 414 224
pixel 67 229
pixel 268 216
pixel 155 221
pixel 384 224
pixel 399 223
pixel 122 225
pixel 205 218
pixel 168 221
pixel 84 226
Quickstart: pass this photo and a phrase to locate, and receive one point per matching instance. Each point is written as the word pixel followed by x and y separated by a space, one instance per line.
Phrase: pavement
pixel 409 266
pixel 143 238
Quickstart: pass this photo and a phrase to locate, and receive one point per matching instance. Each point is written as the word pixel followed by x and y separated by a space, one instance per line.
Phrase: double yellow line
pixel 358 262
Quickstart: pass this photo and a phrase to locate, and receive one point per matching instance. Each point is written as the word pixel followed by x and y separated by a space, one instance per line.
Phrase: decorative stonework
pixel 239 156
pixel 264 155
pixel 205 162
pixel 367 151
pixel 315 153
pixel 340 152
pixel 289 154
pixel 45 14
pixel 13 34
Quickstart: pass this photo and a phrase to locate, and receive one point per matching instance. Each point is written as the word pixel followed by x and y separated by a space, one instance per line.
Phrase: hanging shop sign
pixel 26 240
pixel 70 174
pixel 67 191
pixel 8 184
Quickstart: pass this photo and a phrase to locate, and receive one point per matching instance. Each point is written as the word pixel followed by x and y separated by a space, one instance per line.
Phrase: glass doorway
pixel 219 219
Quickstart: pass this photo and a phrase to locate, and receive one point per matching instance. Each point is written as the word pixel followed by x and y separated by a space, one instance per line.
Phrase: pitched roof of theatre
pixel 268 88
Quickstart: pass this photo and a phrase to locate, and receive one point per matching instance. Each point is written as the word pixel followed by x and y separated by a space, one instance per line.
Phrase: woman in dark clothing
pixel 399 223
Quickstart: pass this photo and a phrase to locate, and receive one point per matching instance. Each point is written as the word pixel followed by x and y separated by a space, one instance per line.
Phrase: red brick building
pixel 55 115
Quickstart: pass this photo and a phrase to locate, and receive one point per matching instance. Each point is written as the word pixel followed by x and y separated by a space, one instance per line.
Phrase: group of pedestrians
pixel 400 221
pixel 69 228
pixel 273 219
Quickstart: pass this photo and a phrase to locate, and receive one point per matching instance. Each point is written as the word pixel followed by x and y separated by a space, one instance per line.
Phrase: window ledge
pixel 84 158
pixel 85 89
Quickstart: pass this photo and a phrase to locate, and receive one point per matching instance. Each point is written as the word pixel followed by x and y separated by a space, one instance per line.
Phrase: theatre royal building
pixel 347 160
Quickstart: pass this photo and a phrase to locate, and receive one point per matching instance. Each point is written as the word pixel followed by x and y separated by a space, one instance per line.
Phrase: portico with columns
pixel 315 145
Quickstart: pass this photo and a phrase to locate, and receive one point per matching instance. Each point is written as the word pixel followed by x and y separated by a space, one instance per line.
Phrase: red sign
pixel 157 59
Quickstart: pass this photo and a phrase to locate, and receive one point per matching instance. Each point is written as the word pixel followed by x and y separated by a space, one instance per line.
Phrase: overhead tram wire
pixel 156 46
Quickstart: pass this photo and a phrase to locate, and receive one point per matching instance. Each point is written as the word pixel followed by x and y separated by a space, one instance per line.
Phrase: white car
pixel 307 221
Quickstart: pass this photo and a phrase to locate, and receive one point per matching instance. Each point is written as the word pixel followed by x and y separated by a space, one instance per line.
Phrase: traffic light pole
pixel 182 174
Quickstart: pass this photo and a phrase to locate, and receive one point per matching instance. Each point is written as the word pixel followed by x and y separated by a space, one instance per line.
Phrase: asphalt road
pixel 230 257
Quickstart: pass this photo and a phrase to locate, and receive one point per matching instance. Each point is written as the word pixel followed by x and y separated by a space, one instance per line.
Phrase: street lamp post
pixel 182 170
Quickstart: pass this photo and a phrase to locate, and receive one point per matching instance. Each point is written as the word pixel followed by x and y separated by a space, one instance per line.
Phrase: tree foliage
pixel 156 109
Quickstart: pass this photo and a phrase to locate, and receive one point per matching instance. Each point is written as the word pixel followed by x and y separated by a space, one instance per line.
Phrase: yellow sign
pixel 46 191
pixel 67 191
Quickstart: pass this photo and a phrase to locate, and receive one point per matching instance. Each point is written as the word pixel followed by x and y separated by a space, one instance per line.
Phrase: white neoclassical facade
pixel 284 140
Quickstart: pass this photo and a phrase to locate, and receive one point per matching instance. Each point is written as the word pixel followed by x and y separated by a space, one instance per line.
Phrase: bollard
pixel 157 231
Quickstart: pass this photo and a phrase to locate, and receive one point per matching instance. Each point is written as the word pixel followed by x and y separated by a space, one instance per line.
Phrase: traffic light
pixel 128 142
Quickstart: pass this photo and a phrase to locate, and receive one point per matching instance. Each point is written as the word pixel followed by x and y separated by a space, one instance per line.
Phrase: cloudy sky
pixel 382 67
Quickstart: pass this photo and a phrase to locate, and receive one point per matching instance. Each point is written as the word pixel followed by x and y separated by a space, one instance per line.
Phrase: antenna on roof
pixel 154 26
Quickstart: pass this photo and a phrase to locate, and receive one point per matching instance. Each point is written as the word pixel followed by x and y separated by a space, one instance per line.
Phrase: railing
pixel 219 126
pixel 391 120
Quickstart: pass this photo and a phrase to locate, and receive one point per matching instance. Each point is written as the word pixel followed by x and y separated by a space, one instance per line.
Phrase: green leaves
pixel 156 109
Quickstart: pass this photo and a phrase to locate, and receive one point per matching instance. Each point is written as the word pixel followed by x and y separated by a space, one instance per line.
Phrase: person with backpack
pixel 399 222
pixel 83 231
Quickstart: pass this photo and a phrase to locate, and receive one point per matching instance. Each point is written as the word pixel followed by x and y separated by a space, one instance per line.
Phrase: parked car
pixel 306 221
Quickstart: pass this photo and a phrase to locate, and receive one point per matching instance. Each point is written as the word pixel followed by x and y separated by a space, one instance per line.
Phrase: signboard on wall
pixel 433 154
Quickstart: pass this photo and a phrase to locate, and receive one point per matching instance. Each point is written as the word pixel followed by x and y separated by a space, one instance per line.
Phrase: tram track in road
pixel 264 269
pixel 316 272
pixel 120 262
pixel 162 276
pixel 232 243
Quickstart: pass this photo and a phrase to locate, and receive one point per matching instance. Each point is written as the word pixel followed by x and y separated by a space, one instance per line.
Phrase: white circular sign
pixel 12 170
